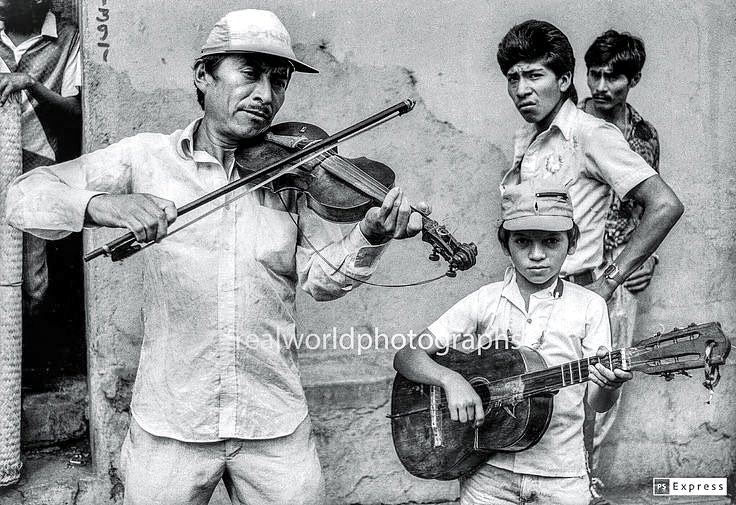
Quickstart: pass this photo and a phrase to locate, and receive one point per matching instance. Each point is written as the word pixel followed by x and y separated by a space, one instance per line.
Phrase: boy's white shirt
pixel 574 326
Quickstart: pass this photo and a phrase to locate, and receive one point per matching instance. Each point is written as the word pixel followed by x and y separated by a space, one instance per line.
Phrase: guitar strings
pixel 539 380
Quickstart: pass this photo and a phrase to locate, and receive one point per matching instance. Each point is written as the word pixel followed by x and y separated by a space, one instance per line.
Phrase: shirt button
pixel 529 321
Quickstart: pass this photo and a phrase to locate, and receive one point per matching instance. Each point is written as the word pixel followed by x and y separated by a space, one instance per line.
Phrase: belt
pixel 582 279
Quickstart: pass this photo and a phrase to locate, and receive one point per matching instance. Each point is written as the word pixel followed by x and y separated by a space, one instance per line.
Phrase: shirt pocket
pixel 276 236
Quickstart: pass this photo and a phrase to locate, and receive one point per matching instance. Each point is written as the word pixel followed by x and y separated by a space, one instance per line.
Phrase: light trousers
pixel 491 485
pixel 164 471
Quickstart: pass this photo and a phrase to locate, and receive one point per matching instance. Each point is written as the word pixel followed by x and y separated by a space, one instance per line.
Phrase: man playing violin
pixel 217 395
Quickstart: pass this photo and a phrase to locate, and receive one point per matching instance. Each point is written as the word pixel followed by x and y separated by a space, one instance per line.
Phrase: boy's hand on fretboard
pixel 604 377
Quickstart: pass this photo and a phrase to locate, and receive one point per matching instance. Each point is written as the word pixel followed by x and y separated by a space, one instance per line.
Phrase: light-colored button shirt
pixel 562 329
pixel 588 155
pixel 217 359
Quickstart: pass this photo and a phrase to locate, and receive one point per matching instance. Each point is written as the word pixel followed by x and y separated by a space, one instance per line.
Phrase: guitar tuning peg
pixel 434 256
pixel 451 271
pixel 684 372
pixel 668 376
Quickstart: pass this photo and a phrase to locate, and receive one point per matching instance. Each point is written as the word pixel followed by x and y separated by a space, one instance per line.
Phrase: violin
pixel 301 157
pixel 339 189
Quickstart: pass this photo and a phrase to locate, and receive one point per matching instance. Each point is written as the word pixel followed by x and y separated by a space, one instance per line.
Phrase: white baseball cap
pixel 253 31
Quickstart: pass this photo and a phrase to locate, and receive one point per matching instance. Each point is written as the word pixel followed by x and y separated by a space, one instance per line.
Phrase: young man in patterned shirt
pixel 40 66
pixel 614 62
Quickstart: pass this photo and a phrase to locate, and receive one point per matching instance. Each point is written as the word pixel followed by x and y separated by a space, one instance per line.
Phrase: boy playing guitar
pixel 531 307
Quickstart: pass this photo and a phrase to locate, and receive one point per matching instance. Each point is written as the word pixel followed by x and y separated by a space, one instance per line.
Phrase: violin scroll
pixel 460 256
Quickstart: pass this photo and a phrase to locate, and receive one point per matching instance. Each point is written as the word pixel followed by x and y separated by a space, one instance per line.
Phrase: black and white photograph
pixel 367 252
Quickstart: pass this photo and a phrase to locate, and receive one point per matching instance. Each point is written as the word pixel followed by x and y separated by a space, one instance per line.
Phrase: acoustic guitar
pixel 517 389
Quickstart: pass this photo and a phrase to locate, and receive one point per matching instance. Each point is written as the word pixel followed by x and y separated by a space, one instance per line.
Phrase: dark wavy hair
pixel 538 40
pixel 624 52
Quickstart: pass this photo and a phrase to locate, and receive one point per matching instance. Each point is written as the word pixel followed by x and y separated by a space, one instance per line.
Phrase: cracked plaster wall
pixel 451 151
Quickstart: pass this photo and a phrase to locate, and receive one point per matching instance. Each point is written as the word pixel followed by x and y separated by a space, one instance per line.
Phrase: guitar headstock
pixel 460 256
pixel 695 346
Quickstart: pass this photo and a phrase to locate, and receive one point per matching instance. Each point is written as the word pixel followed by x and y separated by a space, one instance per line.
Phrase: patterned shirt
pixel 52 58
pixel 218 358
pixel 624 214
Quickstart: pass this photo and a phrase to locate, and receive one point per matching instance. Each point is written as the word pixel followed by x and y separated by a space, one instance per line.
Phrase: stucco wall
pixel 450 151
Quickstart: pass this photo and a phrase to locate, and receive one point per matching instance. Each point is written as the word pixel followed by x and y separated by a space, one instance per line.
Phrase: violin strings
pixel 360 179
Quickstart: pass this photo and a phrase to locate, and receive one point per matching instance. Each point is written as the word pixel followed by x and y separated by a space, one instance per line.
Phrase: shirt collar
pixel 49 26
pixel 185 149
pixel 511 291
pixel 185 145
pixel 564 121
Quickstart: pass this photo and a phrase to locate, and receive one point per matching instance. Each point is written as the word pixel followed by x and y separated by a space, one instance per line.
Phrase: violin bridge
pixel 435 395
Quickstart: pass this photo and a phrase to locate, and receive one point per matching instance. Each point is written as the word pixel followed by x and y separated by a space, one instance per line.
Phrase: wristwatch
pixel 612 273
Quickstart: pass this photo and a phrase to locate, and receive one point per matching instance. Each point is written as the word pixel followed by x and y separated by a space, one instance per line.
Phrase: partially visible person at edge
pixel 614 62
pixel 217 395
pixel 587 154
pixel 39 65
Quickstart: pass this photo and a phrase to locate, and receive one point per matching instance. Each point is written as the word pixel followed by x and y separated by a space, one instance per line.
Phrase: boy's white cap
pixel 538 204
pixel 252 31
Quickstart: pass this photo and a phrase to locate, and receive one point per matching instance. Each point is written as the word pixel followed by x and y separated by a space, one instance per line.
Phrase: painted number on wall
pixel 103 16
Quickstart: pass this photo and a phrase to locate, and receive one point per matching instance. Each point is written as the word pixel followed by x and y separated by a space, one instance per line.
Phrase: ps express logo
pixel 689 486
pixel 661 486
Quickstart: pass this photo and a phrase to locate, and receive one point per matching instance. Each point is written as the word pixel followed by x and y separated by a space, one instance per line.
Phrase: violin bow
pixel 127 245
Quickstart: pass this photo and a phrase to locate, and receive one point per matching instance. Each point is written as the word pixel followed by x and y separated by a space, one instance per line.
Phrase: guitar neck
pixel 557 377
